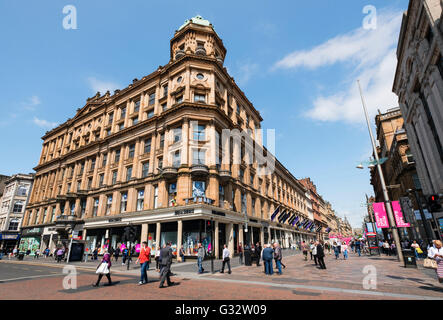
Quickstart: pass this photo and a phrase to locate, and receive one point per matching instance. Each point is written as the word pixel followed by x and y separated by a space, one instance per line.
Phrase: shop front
pixel 9 240
pixel 30 240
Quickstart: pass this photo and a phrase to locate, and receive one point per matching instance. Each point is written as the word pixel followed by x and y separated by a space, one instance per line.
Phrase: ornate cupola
pixel 197 37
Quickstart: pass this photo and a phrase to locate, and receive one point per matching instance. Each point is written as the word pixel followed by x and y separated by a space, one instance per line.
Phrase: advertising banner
pixel 381 218
pixel 398 214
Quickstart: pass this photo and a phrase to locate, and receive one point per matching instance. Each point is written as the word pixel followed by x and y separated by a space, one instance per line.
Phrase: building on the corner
pixel 418 84
pixel 12 208
pixel 153 156
pixel 318 207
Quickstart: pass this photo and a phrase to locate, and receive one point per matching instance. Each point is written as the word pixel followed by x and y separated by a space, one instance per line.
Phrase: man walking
pixel 320 254
pixel 144 258
pixel 277 257
pixel 314 252
pixel 226 259
pixel 200 257
pixel 165 264
pixel 358 247
pixel 268 255
pixel 240 253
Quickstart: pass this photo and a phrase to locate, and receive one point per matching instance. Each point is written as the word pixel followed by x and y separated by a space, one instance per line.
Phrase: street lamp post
pixel 383 184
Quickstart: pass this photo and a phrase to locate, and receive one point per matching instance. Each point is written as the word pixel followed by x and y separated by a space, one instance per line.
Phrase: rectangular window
pixel 165 90
pixel 23 191
pixel 198 188
pixel 18 207
pixel 83 206
pixel 179 99
pixel 101 179
pixel 53 214
pixel 72 208
pixel 221 195
pixel 147 146
pixel 155 197
pixel 82 168
pixel 162 140
pixel 114 177
pixel 124 202
pixel 129 173
pixel 95 208
pixel 105 159
pixel 164 107
pixel 199 132
pixel 117 156
pixel 111 118
pixel 242 175
pixel 92 164
pixel 152 98
pixel 134 121
pixel 89 183
pixel 121 126
pixel 150 114
pixel 108 132
pixel 131 151
pixel 145 169
pixel 176 159
pixel 160 163
pixel 198 156
pixel 79 185
pixel 140 199
pixel 251 176
pixel 172 194
pixel 137 106
pixel 199 98
pixel 108 205
pixel 177 134
pixel 123 113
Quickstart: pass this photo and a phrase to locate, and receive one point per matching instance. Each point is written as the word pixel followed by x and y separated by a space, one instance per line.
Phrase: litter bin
pixel 20 256
pixel 409 258
pixel 248 258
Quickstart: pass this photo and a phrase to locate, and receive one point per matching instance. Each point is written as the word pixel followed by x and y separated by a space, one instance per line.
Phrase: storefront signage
pixel 9 236
pixel 398 214
pixel 115 220
pixel 32 231
pixel 381 217
pixel 218 213
pixel 184 211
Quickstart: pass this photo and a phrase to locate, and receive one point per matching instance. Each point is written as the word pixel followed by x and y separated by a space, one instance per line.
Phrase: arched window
pixel 13 225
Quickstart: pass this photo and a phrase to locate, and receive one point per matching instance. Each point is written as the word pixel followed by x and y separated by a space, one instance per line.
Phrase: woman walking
pixel 104 269
pixel 182 254
pixel 144 257
pixel 436 253
pixel 344 249
pixel 305 248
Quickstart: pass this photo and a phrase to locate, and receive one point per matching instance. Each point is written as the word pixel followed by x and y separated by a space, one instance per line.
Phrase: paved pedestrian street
pixel 343 279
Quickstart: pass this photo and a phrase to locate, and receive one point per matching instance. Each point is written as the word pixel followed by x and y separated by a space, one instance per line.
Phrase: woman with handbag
pixel 104 269
pixel 436 254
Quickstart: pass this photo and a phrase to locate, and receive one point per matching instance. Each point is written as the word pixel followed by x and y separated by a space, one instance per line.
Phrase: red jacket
pixel 145 255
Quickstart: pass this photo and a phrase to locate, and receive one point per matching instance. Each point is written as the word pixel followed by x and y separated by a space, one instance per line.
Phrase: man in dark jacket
pixel 320 254
pixel 165 265
pixel 268 255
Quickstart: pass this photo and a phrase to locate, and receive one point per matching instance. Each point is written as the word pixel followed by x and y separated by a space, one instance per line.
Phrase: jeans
pixel 199 263
pixel 143 269
pixel 268 267
pixel 345 254
pixel 278 264
pixel 223 266
pixel 337 254
pixel 183 258
pixel 358 251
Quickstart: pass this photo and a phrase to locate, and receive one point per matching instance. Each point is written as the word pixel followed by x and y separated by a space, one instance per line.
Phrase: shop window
pixel 140 199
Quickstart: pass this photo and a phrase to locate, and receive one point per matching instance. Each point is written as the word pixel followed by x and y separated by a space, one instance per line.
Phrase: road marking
pixel 31 277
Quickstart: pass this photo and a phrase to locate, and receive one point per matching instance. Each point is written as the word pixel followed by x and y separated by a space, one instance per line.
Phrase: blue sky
pixel 297 62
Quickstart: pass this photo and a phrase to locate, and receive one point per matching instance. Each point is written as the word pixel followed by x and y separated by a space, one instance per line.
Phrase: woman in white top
pixel 344 249
pixel 436 253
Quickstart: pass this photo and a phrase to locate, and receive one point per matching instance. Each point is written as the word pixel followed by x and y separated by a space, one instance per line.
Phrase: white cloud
pixel 32 102
pixel 102 86
pixel 369 56
pixel 44 123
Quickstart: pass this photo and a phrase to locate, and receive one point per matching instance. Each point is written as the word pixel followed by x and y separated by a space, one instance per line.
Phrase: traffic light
pixel 434 203
pixel 209 225
pixel 129 234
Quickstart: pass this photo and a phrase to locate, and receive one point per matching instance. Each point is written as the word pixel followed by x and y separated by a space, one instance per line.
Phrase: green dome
pixel 197 20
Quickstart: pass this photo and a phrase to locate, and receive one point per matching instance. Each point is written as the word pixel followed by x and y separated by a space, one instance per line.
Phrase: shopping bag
pixel 429 263
pixel 103 268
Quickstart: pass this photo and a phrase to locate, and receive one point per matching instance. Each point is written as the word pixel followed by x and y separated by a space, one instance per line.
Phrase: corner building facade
pixel 150 156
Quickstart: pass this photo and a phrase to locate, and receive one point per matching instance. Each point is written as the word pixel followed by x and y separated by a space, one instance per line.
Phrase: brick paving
pixel 300 280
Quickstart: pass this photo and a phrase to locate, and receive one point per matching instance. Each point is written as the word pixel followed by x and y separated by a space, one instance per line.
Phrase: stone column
pixel 144 235
pixel 179 238
pixel 262 236
pixel 240 235
pixel 216 240
pixel 230 237
pixel 157 234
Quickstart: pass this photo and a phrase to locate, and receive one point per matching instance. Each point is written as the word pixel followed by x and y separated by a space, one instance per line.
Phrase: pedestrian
pixel 104 268
pixel 258 249
pixel 344 249
pixel 311 247
pixel 36 254
pixel 417 250
pixel 352 245
pixel 278 257
pixel 226 259
pixel 321 254
pixel 253 254
pixel 268 255
pixel 46 253
pixel 60 253
pixel 305 248
pixel 15 251
pixel 95 253
pixel 386 248
pixel 336 252
pixel 182 254
pixel 240 253
pixel 125 254
pixel 339 245
pixel 157 259
pixel 117 253
pixel 165 264
pixel 393 249
pixel 144 257
pixel 314 252
pixel 436 253
pixel 358 247
pixel 200 257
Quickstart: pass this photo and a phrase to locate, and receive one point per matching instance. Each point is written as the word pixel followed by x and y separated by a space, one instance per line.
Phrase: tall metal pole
pixel 383 184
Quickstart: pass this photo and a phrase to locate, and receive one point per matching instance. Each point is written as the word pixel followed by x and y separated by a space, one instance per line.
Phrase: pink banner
pixel 381 217
pixel 399 215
